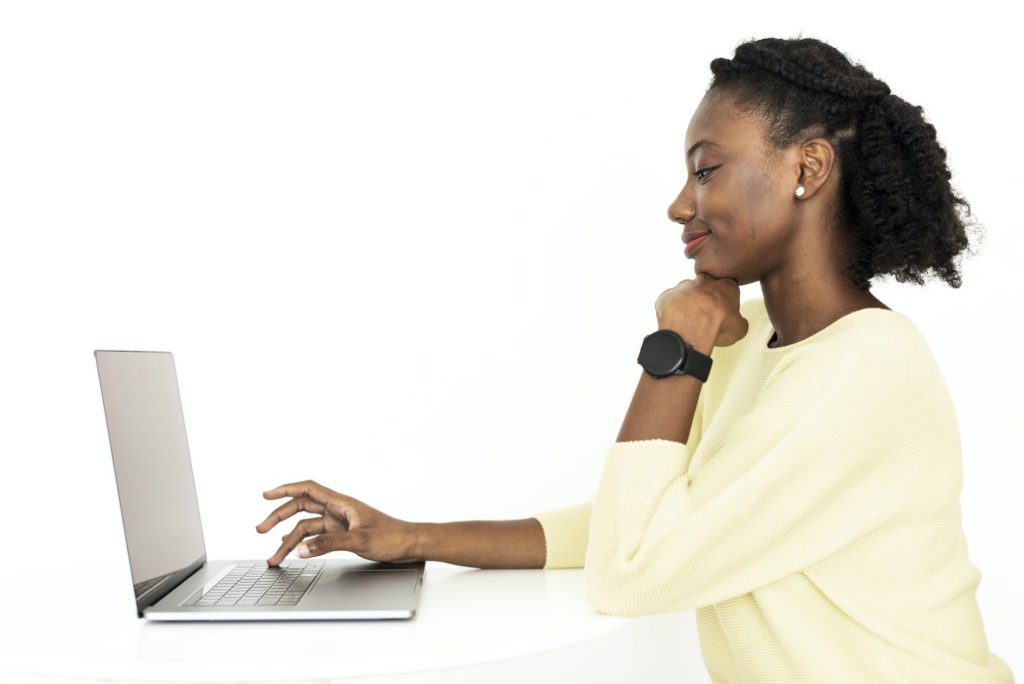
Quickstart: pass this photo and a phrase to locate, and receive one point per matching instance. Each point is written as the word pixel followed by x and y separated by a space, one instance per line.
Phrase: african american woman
pixel 789 466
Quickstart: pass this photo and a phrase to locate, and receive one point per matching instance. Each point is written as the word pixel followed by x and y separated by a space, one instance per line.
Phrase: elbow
pixel 623 585
pixel 630 590
pixel 610 593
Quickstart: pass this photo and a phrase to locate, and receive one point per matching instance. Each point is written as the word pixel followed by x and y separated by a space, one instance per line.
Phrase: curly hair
pixel 896 205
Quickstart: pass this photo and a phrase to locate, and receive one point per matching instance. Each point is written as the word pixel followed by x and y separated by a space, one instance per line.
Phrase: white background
pixel 410 250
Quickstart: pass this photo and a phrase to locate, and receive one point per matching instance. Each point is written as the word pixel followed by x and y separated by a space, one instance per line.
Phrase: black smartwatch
pixel 665 353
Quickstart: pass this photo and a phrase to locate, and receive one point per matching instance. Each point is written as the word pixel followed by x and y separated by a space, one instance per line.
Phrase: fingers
pixel 321 544
pixel 287 510
pixel 288 542
pixel 306 488
pixel 304 529
pixel 316 546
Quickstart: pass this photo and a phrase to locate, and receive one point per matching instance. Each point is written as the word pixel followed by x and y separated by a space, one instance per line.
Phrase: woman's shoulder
pixel 883 325
pixel 866 339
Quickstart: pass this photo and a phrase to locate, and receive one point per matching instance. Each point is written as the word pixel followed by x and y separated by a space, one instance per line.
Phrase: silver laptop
pixel 172 577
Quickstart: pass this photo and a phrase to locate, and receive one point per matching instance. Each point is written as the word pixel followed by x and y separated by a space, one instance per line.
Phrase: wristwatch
pixel 665 353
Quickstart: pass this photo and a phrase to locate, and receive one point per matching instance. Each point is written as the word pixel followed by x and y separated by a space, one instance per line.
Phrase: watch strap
pixel 694 363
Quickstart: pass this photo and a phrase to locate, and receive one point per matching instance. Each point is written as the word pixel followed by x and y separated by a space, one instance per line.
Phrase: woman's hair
pixel 896 203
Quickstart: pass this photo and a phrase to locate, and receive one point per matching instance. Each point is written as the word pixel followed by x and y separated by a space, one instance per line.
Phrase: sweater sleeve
pixel 567 529
pixel 565 535
pixel 831 449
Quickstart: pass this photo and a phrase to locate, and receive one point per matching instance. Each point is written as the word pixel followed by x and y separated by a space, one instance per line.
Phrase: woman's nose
pixel 680 211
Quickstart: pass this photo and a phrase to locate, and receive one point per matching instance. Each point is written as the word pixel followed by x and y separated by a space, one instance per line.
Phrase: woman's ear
pixel 816 160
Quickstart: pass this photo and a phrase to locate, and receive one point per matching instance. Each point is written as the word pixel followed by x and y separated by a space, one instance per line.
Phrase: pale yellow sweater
pixel 812 519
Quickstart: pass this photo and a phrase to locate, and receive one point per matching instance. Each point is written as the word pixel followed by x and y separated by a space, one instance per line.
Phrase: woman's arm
pixel 663 408
pixel 483 543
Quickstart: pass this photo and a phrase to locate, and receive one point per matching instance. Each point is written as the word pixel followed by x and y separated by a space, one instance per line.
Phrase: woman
pixel 806 502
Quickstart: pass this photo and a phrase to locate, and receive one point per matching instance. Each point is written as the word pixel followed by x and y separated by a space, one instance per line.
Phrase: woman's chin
pixel 717 273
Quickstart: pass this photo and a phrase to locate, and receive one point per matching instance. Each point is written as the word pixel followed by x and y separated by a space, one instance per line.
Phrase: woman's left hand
pixel 709 300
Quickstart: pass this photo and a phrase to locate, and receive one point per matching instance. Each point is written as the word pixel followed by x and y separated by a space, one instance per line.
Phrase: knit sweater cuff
pixel 565 535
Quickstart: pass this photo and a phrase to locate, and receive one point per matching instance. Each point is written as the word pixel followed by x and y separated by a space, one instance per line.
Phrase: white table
pixel 472 625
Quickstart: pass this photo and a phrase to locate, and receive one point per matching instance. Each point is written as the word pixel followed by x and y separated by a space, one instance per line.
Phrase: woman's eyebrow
pixel 703 142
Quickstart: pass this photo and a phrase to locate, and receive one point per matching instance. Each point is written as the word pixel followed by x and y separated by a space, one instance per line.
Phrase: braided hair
pixel 896 205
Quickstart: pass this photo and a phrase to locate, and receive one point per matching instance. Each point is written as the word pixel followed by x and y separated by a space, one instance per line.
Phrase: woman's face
pixel 737 192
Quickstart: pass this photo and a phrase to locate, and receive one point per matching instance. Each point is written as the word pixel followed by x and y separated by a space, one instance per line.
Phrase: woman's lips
pixel 693 242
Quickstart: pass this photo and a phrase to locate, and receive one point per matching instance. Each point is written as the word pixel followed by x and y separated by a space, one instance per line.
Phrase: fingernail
pixel 302 550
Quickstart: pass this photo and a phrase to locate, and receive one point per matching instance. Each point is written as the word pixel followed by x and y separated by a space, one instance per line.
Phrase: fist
pixel 707 299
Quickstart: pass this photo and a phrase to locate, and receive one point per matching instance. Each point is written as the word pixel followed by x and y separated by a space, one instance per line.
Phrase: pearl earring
pixel 799 191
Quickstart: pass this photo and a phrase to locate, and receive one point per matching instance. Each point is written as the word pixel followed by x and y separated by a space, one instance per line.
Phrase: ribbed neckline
pixel 841 322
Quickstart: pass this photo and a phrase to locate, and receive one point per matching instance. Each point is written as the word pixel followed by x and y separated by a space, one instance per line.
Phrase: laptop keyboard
pixel 259 585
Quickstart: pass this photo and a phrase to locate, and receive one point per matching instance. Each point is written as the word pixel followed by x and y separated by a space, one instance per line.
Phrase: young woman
pixel 802 493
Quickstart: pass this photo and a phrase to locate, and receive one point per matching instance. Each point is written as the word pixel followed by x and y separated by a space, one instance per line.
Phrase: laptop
pixel 173 580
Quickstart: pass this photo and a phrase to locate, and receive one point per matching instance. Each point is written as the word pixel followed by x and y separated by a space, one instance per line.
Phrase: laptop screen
pixel 153 469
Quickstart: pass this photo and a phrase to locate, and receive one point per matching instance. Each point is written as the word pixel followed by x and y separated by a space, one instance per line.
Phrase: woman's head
pixel 786 113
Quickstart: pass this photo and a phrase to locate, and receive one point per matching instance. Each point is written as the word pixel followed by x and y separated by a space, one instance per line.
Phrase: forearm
pixel 483 543
pixel 663 408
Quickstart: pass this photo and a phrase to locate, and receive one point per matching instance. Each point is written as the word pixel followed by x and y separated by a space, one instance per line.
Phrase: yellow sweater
pixel 812 519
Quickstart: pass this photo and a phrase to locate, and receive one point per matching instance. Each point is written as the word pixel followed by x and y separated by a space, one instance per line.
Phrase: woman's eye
pixel 700 178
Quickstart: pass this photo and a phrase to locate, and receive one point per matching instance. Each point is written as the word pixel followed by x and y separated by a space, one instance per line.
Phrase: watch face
pixel 661 353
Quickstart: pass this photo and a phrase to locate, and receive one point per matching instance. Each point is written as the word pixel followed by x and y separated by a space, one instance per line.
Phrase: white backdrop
pixel 410 250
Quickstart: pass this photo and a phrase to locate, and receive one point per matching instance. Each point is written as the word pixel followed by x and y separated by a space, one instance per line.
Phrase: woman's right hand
pixel 344 524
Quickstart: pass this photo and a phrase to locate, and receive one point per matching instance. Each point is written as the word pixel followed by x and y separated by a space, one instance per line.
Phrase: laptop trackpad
pixel 348 583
